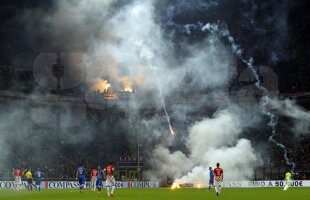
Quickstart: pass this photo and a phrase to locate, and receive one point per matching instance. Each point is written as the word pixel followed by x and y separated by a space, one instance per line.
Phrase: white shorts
pixel 110 181
pixel 18 180
pixel 93 179
pixel 217 183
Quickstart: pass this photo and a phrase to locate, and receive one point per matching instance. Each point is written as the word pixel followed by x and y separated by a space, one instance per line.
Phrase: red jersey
pixel 218 172
pixel 18 172
pixel 94 172
pixel 109 170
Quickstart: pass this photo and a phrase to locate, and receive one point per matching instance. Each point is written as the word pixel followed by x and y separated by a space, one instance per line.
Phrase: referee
pixel 28 176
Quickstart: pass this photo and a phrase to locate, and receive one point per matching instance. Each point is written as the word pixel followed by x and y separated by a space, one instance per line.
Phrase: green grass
pixel 162 194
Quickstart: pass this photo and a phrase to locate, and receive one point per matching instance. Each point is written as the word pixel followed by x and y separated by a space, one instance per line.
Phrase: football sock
pixel 113 188
pixel 286 187
pixel 108 190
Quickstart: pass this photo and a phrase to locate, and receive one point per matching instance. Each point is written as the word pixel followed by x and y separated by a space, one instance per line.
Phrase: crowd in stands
pixel 303 152
pixel 64 167
pixel 299 153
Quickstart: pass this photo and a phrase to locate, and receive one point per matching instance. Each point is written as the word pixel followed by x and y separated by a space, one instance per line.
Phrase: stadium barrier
pixel 74 184
pixel 151 184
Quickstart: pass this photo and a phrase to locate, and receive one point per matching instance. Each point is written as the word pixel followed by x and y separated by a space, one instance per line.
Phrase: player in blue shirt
pixel 38 175
pixel 99 178
pixel 80 176
pixel 211 180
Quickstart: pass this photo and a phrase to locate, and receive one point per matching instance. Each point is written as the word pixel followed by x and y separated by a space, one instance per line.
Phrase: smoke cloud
pixel 239 158
pixel 210 141
pixel 289 108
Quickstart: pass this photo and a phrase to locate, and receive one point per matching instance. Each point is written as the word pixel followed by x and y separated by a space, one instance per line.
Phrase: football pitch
pixel 161 194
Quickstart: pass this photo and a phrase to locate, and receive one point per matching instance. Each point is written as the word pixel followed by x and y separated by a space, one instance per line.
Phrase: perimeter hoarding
pixel 74 184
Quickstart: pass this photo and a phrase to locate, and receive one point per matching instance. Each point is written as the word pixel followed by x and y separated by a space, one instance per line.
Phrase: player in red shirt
pixel 218 178
pixel 93 179
pixel 110 181
pixel 18 173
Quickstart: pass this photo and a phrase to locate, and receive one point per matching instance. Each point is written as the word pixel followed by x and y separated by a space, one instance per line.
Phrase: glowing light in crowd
pixel 100 85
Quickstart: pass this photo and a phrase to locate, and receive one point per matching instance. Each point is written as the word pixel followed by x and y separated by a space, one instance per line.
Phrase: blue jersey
pixel 38 175
pixel 211 175
pixel 81 172
pixel 100 173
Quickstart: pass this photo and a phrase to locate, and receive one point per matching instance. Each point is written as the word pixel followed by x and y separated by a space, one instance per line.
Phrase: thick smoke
pixel 145 46
pixel 15 130
pixel 236 159
pixel 210 141
pixel 128 41
pixel 29 132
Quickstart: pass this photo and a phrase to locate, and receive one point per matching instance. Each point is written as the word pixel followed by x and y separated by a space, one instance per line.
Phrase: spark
pixel 154 69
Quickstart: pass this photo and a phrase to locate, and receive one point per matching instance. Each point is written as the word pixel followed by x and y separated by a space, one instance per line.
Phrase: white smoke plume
pixel 299 115
pixel 237 162
pixel 210 141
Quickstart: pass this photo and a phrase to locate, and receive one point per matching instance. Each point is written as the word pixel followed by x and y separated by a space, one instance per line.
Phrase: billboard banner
pixel 273 183
pixel 151 184
pixel 11 185
pixel 75 184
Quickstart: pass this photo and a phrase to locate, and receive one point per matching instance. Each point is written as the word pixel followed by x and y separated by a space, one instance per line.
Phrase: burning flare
pixel 128 89
pixel 129 83
pixel 100 85
pixel 175 185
